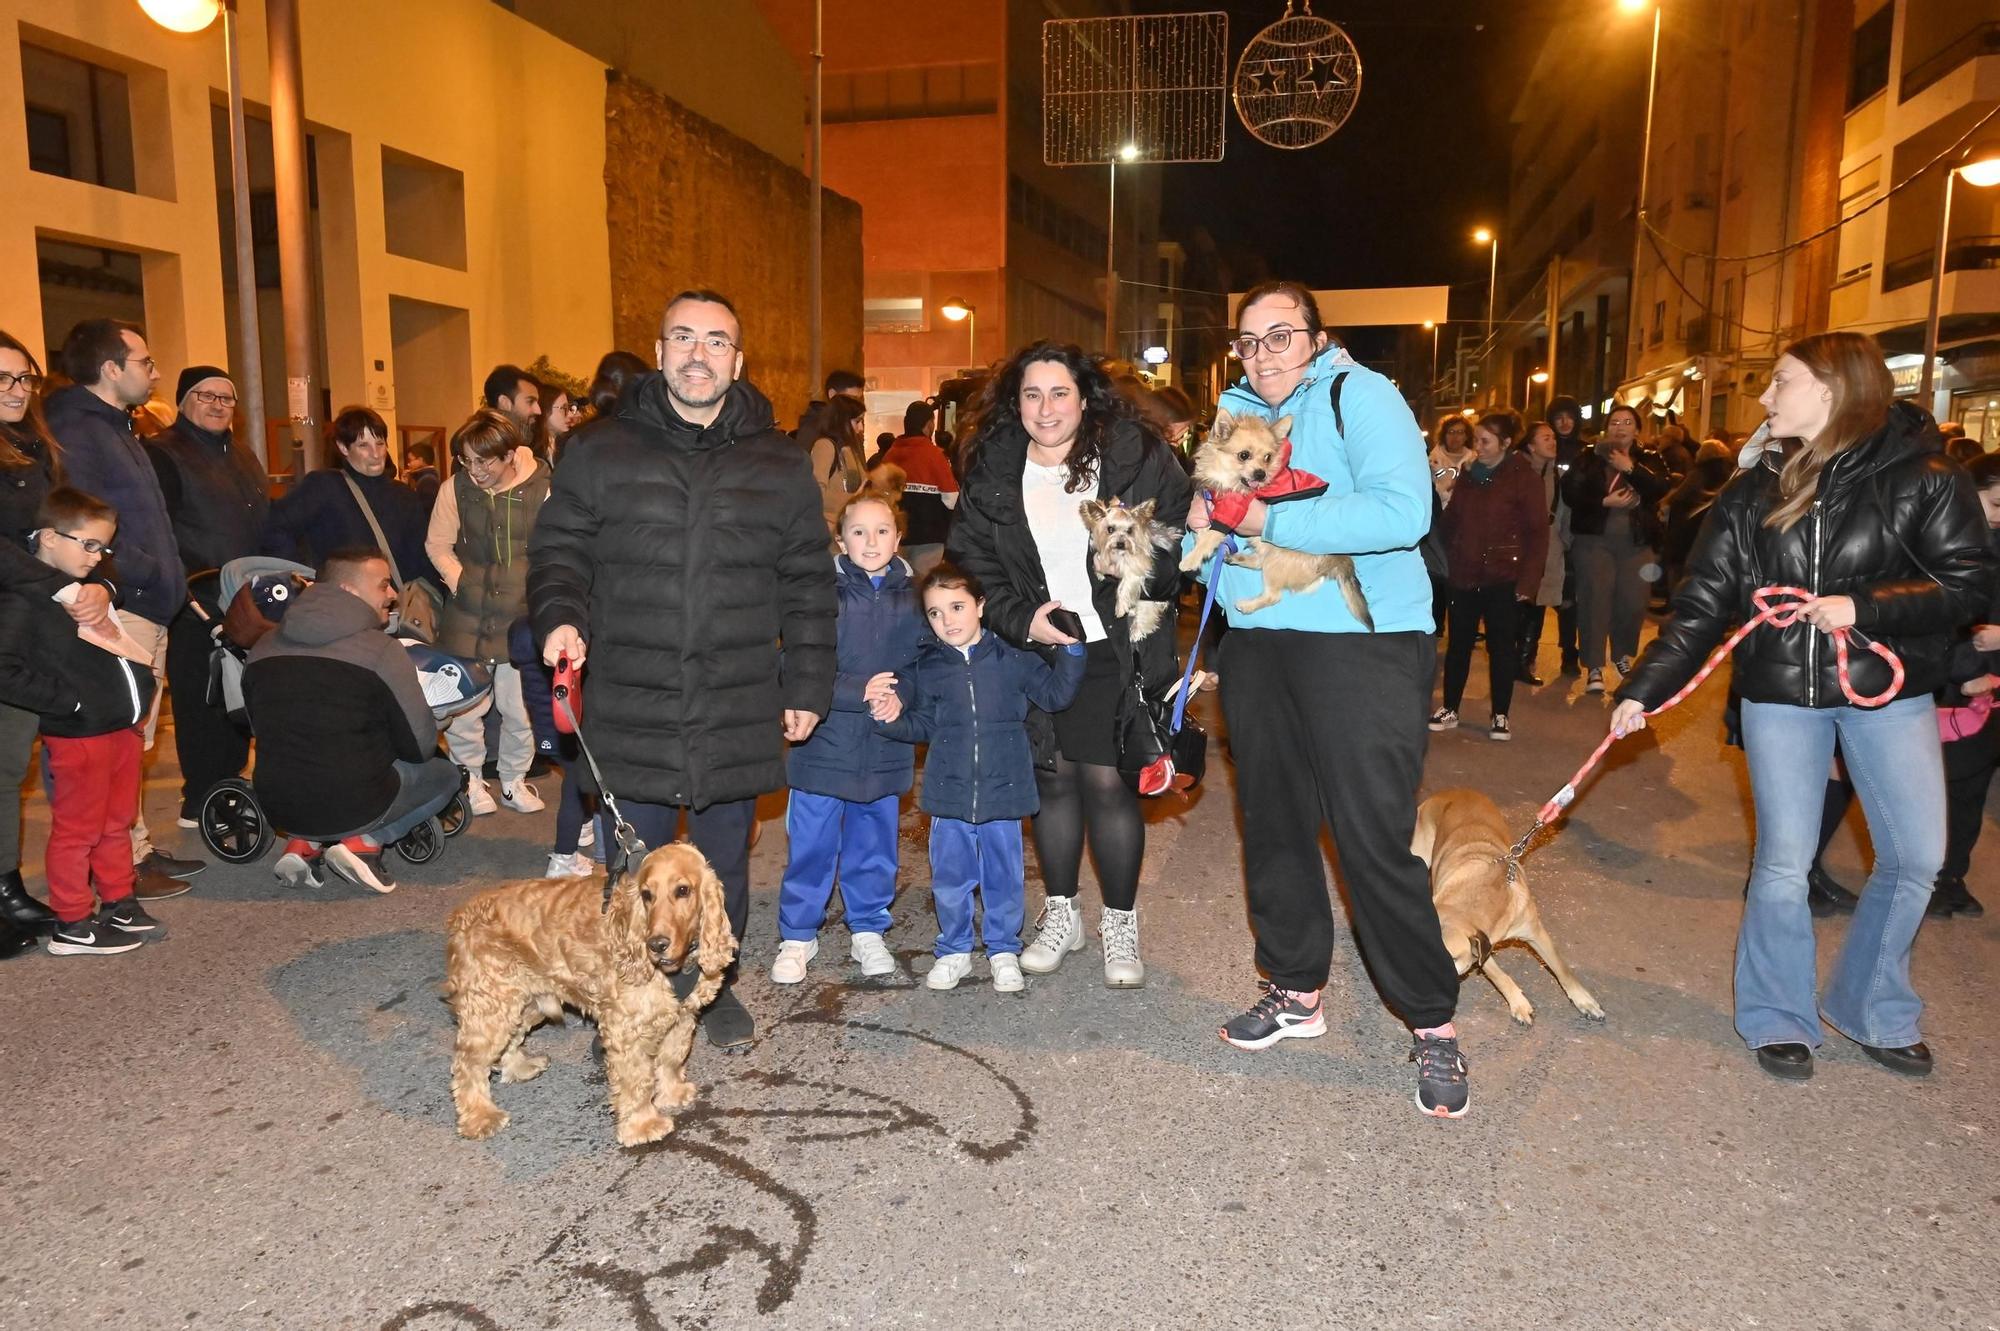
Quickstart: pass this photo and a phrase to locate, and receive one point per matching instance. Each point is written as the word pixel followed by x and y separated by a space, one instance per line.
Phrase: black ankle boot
pixel 1825 897
pixel 14 940
pixel 22 910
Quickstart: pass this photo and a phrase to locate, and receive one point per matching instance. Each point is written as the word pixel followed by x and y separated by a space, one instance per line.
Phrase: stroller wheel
pixel 455 817
pixel 233 825
pixel 422 843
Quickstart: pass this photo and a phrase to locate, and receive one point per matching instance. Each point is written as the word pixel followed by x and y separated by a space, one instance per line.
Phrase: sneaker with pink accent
pixel 1279 1015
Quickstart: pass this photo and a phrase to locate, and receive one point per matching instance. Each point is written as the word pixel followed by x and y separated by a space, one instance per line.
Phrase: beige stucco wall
pixel 462 83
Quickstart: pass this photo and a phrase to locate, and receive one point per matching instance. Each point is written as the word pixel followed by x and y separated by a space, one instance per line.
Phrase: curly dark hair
pixel 1103 405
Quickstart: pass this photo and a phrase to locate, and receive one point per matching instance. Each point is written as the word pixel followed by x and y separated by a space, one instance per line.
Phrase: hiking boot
pixel 1442 1091
pixel 1500 730
pixel 1594 681
pixel 360 864
pixel 1444 718
pixel 873 954
pixel 521 797
pixel 1279 1015
pixel 128 917
pixel 1120 931
pixel 1006 968
pixel 793 954
pixel 1057 934
pixel 90 937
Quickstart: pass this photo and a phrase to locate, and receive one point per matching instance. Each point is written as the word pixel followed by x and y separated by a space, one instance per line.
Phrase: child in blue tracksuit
pixel 842 820
pixel 970 700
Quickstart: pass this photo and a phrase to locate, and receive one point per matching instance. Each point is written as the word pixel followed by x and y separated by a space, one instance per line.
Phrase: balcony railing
pixel 1983 39
pixel 1967 253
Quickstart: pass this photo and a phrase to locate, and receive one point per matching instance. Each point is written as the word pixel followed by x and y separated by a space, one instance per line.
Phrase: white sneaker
pixel 1443 719
pixel 1120 931
pixel 947 971
pixel 521 798
pixel 793 954
pixel 873 954
pixel 478 798
pixel 1007 974
pixel 569 866
pixel 1057 934
pixel 586 836
pixel 1594 681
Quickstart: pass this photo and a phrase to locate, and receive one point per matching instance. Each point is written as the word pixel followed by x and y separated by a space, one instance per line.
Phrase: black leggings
pixel 1089 797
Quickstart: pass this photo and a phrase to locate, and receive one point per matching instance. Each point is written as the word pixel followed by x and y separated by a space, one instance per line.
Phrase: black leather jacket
pixel 1895 525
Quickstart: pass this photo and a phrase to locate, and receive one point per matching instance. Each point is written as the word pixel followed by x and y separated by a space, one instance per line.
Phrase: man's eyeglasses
pixel 209 399
pixel 1274 342
pixel 90 546
pixel 31 383
pixel 715 343
pixel 147 361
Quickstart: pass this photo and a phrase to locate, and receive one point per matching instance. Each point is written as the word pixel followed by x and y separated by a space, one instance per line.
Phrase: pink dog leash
pixel 1780 613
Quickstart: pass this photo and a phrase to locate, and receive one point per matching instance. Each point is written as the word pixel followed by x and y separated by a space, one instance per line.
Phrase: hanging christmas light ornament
pixel 1297 80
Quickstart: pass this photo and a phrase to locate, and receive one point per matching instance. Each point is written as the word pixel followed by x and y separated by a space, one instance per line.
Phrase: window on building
pixel 81 282
pixel 1728 331
pixel 79 119
pixel 910 92
pixel 423 210
pixel 1659 322
pixel 892 314
pixel 1735 185
pixel 1868 70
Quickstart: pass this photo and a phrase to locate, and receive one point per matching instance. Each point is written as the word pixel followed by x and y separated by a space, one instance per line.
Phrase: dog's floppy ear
pixel 1225 425
pixel 625 930
pixel 1093 511
pixel 1144 513
pixel 718 940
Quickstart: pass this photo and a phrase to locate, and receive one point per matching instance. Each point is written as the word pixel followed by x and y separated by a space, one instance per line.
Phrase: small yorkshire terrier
pixel 1246 458
pixel 1124 542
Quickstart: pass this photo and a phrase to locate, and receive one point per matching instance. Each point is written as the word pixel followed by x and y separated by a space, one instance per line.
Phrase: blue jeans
pixel 986 856
pixel 845 838
pixel 1897 767
pixel 422 790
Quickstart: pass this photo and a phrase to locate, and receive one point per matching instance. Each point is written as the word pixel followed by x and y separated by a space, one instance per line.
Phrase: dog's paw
pixel 477 1125
pixel 1191 562
pixel 1523 1012
pixel 523 1067
pixel 677 1096
pixel 1587 1005
pixel 649 1125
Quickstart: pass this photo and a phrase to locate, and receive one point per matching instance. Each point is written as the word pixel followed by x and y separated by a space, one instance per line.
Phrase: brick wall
pixel 691 205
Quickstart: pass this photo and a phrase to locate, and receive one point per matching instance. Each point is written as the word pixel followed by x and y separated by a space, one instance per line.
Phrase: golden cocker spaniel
pixel 515 956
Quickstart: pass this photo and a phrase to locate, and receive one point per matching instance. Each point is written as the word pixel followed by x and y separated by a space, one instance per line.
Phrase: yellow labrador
pixel 1480 904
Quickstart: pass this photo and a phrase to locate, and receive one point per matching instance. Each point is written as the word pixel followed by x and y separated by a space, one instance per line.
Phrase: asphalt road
pixel 248 1124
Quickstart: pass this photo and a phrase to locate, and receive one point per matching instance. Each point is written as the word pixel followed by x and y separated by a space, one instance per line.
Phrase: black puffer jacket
pixel 991 541
pixel 22 490
pixel 1896 526
pixel 1585 485
pixel 686 555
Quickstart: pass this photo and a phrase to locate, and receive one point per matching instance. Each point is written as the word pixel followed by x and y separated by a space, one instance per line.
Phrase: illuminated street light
pixel 958 311
pixel 1980 165
pixel 1129 153
pixel 182 15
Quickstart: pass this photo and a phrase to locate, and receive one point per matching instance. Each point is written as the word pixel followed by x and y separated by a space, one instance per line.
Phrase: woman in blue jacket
pixel 1326 719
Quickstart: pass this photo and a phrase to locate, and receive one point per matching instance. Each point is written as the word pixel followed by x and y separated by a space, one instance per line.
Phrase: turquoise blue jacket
pixel 1377 504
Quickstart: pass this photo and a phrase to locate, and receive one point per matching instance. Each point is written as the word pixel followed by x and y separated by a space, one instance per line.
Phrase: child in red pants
pixel 92 702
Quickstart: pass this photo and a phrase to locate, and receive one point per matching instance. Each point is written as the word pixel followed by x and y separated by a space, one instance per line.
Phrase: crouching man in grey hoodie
pixel 347 758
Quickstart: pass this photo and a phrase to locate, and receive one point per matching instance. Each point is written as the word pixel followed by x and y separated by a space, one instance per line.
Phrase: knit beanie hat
pixel 193 375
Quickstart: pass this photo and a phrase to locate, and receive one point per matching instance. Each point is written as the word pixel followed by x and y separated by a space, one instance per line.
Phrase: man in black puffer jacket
pixel 683 548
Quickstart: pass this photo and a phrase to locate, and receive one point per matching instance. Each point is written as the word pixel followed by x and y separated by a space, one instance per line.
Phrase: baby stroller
pixel 255 592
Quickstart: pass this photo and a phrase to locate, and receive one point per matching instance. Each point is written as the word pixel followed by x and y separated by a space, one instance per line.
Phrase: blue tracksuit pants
pixel 835 838
pixel 986 856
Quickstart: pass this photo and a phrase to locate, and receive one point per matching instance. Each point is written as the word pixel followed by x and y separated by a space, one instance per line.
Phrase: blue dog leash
pixel 1228 547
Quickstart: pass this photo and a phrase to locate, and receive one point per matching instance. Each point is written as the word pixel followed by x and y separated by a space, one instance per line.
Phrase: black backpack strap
pixel 1333 399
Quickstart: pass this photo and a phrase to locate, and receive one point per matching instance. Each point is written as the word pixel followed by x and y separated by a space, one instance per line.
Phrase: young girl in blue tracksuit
pixel 970 700
pixel 846 779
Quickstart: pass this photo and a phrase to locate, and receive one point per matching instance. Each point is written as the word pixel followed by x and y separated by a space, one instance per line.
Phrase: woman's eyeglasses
pixel 90 546
pixel 30 382
pixel 1274 342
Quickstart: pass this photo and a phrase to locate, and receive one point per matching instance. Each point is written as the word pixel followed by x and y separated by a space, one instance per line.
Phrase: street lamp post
pixel 194 16
pixel 1483 236
pixel 1128 153
pixel 1527 387
pixel 1632 324
pixel 1980 165
pixel 956 310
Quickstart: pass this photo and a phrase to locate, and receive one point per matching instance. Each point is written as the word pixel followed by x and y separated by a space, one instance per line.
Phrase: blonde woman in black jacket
pixel 1866 513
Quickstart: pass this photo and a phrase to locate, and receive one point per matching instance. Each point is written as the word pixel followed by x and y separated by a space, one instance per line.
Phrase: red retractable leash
pixel 1770 610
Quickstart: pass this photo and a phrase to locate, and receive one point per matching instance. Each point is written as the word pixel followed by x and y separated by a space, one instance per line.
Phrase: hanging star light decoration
pixel 1297 80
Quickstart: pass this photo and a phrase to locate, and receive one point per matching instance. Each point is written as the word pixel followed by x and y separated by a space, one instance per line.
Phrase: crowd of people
pixel 751 610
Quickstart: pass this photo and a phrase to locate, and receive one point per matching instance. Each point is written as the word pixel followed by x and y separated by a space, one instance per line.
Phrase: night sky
pixel 1391 198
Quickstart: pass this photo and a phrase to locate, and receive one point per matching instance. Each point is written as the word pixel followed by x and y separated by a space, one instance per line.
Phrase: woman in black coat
pixel 1054 433
pixel 1886 536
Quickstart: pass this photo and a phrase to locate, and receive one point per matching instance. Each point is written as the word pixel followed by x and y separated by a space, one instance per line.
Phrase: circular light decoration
pixel 1297 80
